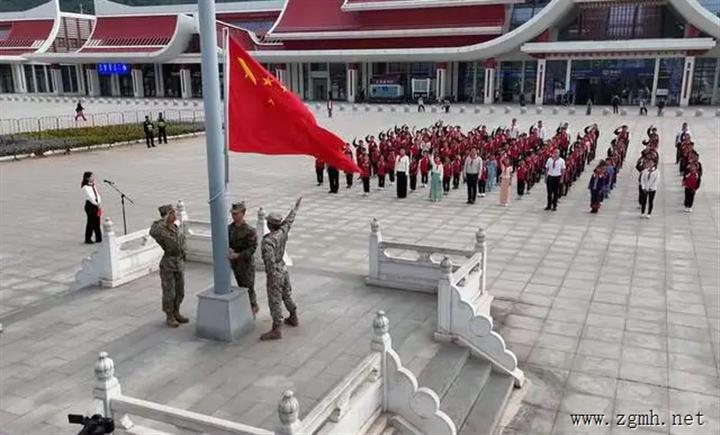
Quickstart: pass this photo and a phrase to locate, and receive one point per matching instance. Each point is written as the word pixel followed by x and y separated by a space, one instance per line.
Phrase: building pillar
pixel 160 81
pixel 475 74
pixel 281 74
pixel 137 81
pixel 522 78
pixel 490 67
pixel 93 82
pixel 440 80
pixel 185 83
pixel 367 72
pixel 687 80
pixel 48 84
pixel 80 71
pixel 352 81
pixel 301 80
pixel 115 85
pixel 56 78
pixel 454 82
pixel 716 82
pixel 18 73
pixel 656 76
pixel 540 83
pixel 568 74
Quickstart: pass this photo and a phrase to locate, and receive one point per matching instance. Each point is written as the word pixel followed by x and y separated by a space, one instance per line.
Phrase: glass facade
pixel 126 85
pixel 29 78
pixel 555 71
pixel 148 75
pixel 711 5
pixel 171 80
pixel 196 80
pixel 670 80
pixel 522 13
pixel 466 79
pixel 338 81
pixel 628 20
pixel 530 81
pixel 601 79
pixel 6 79
pixel 105 85
pixel 69 79
pixel 703 80
pixel 510 83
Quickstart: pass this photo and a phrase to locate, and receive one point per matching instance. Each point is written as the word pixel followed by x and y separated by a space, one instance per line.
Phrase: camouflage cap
pixel 165 209
pixel 274 219
pixel 238 207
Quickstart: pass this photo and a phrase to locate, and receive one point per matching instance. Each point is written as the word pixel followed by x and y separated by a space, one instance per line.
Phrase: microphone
pixel 107 181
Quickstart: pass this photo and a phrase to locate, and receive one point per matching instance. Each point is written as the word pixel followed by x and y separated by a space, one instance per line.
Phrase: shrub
pixel 40 142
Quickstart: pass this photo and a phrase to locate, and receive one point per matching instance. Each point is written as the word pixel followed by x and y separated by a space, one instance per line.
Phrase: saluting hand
pixel 297 203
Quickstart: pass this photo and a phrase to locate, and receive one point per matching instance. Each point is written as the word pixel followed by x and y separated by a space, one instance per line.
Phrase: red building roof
pixel 327 16
pixel 131 33
pixel 26 36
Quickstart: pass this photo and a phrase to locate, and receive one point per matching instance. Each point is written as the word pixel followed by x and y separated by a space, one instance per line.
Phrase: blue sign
pixel 106 69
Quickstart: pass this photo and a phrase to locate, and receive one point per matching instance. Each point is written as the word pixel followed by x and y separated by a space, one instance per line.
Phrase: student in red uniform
pixel 424 168
pixel 319 170
pixel 521 177
pixel 381 172
pixel 413 172
pixel 390 166
pixel 447 175
pixel 364 163
pixel 457 167
pixel 348 175
pixel 691 183
pixel 482 179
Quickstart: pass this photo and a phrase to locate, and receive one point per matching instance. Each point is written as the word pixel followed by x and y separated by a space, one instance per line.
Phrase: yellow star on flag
pixel 267 81
pixel 271 102
pixel 248 72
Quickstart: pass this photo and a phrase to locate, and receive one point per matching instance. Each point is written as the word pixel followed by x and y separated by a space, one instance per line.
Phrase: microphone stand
pixel 122 202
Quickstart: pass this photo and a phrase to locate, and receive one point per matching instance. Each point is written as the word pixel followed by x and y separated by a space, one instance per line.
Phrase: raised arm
pixel 290 218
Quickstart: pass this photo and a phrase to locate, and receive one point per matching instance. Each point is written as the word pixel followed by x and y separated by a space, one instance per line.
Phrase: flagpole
pixel 215 145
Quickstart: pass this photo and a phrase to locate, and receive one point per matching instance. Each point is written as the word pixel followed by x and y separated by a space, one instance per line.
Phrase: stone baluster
pixel 481 246
pixel 288 411
pixel 375 240
pixel 182 212
pixel 444 304
pixel 107 386
pixel 381 342
pixel 109 252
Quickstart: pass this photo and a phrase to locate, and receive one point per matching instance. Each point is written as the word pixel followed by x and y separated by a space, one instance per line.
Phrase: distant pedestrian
pixel 421 104
pixel 588 111
pixel 446 105
pixel 522 100
pixel 80 111
pixel 92 208
pixel 615 102
pixel 661 107
pixel 149 129
pixel 329 105
pixel 162 132
pixel 643 107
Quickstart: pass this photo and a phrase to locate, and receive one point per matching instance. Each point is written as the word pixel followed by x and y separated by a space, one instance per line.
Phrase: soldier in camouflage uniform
pixel 278 279
pixel 172 241
pixel 243 243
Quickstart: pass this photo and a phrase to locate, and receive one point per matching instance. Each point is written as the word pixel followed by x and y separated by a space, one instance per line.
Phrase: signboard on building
pixel 106 69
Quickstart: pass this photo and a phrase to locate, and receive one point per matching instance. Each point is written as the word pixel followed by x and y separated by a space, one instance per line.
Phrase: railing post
pixel 481 247
pixel 444 303
pixel 182 211
pixel 109 249
pixel 106 388
pixel 288 411
pixel 375 240
pixel 382 342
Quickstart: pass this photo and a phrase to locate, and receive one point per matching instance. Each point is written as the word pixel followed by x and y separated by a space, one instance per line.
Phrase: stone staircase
pixel 471 393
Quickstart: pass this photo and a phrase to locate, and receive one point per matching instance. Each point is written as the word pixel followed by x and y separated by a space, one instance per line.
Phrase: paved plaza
pixel 607 313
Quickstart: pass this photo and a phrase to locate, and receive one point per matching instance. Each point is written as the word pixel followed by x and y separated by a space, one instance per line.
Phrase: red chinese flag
pixel 265 117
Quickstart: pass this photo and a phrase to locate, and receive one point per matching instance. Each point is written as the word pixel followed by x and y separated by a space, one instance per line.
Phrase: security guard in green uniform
pixel 171 239
pixel 162 133
pixel 243 243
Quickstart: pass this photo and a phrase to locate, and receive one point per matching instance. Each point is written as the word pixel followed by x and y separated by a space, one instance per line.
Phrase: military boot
pixel 292 320
pixel 179 317
pixel 171 322
pixel 273 334
pixel 255 309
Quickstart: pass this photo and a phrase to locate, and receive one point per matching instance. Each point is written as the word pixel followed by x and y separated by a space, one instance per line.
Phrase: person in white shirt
pixel 541 131
pixel 554 169
pixel 92 208
pixel 649 179
pixel 513 129
pixel 472 168
pixel 402 166
pixel 681 135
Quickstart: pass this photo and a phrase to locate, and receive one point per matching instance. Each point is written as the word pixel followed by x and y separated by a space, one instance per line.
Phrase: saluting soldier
pixel 172 241
pixel 278 278
pixel 243 243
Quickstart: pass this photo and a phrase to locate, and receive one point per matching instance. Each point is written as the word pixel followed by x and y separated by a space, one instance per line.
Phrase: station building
pixel 481 51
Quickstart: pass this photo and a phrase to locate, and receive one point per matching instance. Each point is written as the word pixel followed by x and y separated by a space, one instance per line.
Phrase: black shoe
pixel 554 209
pixel 547 208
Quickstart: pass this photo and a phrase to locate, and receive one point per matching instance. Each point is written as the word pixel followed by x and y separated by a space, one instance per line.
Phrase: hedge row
pixel 41 142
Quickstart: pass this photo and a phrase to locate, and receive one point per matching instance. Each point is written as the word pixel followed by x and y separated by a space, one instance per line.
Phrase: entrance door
pixel 320 90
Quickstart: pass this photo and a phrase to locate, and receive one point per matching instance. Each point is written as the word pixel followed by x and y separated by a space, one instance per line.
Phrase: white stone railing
pixel 121 259
pixel 377 392
pixel 417 267
pixel 464 317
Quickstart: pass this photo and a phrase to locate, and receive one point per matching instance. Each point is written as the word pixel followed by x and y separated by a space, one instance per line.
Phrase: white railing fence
pixel 379 389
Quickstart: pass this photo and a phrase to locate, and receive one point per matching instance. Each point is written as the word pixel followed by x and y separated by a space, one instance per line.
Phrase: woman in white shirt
pixel 92 208
pixel 649 179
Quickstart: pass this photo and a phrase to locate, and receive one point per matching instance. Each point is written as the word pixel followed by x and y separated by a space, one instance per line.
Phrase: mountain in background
pixel 87 5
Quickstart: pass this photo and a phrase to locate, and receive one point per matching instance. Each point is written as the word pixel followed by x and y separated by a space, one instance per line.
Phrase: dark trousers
pixel 472 185
pixel 456 181
pixel 92 226
pixel 640 195
pixel 424 177
pixel 615 109
pixel 366 184
pixel 381 181
pixel 391 175
pixel 521 187
pixel 481 186
pixel 348 179
pixel 421 108
pixel 413 181
pixel 162 135
pixel 446 184
pixel 647 197
pixel 401 184
pixel 595 199
pixel 643 111
pixel 333 179
pixel 329 112
pixel 149 139
pixel 553 191
pixel 319 175
pixel 689 198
